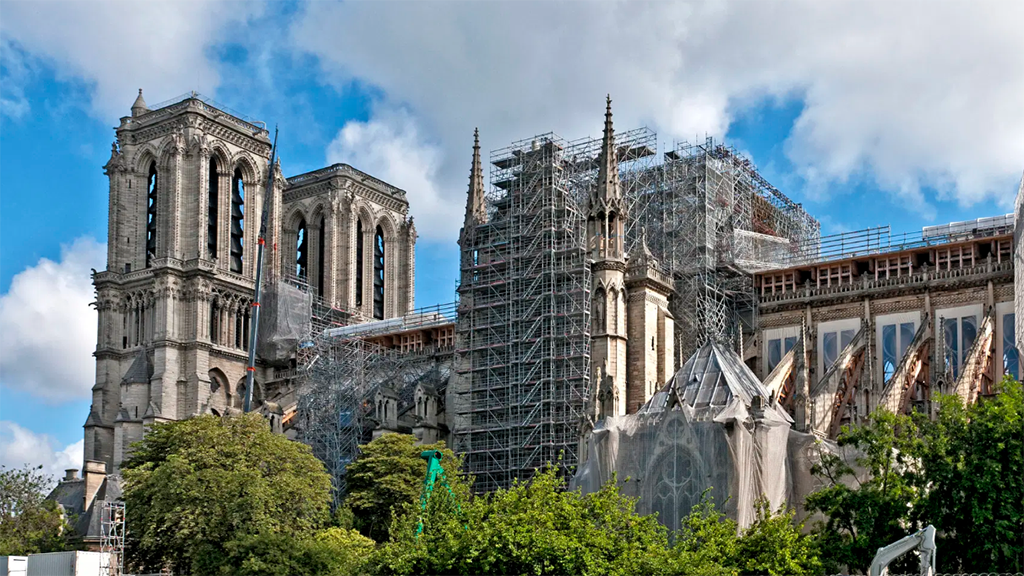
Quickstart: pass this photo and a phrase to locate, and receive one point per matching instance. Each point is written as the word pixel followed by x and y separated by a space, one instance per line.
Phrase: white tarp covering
pixel 713 426
pixel 284 322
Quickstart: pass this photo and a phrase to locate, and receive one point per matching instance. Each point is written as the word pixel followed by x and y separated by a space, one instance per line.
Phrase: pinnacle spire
pixel 476 212
pixel 608 171
pixel 139 107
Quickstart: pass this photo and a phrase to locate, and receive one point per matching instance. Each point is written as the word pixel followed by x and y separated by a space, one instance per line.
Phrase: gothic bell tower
pixel 606 214
pixel 175 299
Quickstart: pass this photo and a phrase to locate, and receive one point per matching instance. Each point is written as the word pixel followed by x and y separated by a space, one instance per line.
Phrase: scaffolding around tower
pixel 523 330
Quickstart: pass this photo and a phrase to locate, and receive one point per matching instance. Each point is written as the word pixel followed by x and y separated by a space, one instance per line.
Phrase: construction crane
pixel 435 472
pixel 254 327
pixel 923 541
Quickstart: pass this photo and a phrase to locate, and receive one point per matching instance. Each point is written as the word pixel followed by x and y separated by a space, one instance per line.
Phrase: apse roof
pixel 710 379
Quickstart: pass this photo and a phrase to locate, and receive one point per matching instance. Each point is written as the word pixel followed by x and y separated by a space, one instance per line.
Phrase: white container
pixel 68 564
pixel 13 565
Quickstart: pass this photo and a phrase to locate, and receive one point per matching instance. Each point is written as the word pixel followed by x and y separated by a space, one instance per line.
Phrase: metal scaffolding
pixel 524 315
pixel 713 220
pixel 112 537
pixel 523 329
pixel 339 377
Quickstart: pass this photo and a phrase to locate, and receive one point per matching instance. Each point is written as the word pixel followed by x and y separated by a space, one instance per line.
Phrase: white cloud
pixel 907 95
pixel 120 46
pixel 47 326
pixel 20 446
pixel 13 75
pixel 391 147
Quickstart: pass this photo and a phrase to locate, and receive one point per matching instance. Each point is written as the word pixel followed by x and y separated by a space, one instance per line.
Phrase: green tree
pixel 330 552
pixel 962 472
pixel 863 516
pixel 535 527
pixel 774 545
pixel 29 523
pixel 706 543
pixel 197 487
pixel 388 476
pixel 972 460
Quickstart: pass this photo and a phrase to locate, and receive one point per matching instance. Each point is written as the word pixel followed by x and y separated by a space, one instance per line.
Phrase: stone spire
pixel 139 107
pixel 608 192
pixel 476 211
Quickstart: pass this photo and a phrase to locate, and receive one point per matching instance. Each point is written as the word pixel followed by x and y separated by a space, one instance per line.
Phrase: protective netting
pixel 712 427
pixel 284 321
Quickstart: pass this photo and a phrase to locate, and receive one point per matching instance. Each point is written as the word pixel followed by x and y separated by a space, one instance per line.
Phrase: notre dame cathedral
pixel 187 190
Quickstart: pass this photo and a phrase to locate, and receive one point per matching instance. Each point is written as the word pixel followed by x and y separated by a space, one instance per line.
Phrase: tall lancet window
pixel 237 221
pixel 302 250
pixel 359 263
pixel 212 211
pixel 613 235
pixel 322 248
pixel 378 274
pixel 151 214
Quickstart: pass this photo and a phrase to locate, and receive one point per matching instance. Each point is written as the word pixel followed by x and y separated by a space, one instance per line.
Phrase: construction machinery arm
pixel 922 540
pixel 435 472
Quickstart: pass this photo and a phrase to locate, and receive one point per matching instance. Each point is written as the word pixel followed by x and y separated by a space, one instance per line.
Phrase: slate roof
pixel 139 372
pixel 70 494
pixel 709 381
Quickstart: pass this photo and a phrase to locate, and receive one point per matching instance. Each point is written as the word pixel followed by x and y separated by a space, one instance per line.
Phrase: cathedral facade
pixel 187 191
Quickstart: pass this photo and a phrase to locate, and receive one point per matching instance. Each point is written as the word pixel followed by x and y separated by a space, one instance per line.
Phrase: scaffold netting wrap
pixel 713 427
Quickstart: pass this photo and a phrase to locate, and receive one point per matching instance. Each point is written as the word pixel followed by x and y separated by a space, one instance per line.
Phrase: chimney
pixel 71 474
pixel 94 472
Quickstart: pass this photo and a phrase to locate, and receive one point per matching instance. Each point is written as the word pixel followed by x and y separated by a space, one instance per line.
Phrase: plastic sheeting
pixel 713 426
pixel 284 322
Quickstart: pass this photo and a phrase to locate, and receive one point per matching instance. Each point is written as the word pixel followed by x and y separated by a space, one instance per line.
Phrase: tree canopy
pixel 29 523
pixel 540 527
pixel 199 488
pixel 387 476
pixel 962 472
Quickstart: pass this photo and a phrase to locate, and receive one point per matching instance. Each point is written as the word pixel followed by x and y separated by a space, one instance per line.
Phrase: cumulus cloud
pixel 47 326
pixel 906 95
pixel 392 148
pixel 120 46
pixel 20 446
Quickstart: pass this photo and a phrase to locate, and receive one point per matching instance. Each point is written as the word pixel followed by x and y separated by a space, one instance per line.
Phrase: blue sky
pixel 846 108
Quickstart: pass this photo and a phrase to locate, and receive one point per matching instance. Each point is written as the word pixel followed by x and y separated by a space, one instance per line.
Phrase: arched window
pixel 378 274
pixel 151 214
pixel 301 250
pixel 214 322
pixel 613 301
pixel 321 250
pixel 212 204
pixel 359 263
pixel 613 235
pixel 237 221
pixel 598 308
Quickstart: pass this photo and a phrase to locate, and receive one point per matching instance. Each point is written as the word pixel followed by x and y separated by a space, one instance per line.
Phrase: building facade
pixel 891 325
pixel 187 190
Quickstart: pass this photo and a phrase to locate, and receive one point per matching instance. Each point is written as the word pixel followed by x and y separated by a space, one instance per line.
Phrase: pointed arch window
pixel 212 210
pixel 302 250
pixel 237 221
pixel 151 214
pixel 321 250
pixel 598 310
pixel 378 274
pixel 359 263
